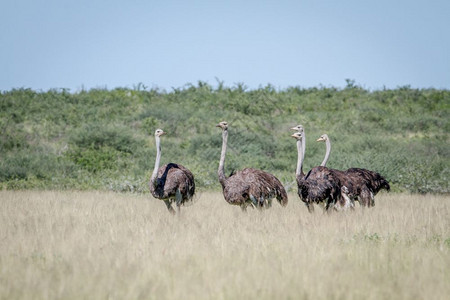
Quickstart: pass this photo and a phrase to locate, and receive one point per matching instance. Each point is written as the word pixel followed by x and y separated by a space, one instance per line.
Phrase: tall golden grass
pixel 98 245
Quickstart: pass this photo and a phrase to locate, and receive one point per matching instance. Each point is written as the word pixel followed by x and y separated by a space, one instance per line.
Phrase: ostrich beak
pixel 294 136
pixel 320 139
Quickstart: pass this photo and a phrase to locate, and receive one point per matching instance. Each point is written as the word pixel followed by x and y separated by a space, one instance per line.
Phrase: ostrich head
pixel 159 132
pixel 297 135
pixel 298 128
pixel 223 125
pixel 323 138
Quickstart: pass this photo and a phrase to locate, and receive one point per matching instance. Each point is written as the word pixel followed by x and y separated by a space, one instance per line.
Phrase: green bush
pixel 103 139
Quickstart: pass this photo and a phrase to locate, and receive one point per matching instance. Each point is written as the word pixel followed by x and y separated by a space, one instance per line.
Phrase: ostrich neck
pixel 221 171
pixel 303 145
pixel 299 171
pixel 327 154
pixel 158 158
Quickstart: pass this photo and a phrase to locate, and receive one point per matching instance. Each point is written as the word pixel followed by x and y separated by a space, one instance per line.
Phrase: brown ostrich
pixel 248 186
pixel 320 185
pixel 362 184
pixel 375 182
pixel 171 182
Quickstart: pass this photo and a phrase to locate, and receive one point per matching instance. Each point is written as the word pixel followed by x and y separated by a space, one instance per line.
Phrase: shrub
pixel 104 139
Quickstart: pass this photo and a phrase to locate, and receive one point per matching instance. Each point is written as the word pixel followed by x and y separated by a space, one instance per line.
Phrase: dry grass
pixel 74 245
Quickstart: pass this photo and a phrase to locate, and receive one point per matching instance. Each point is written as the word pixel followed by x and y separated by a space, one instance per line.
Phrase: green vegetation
pixel 103 139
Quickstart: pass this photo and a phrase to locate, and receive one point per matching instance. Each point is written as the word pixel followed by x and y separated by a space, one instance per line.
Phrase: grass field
pixel 98 245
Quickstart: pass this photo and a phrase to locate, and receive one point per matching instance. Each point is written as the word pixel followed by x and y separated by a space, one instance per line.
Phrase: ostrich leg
pixel 169 206
pixel 364 197
pixel 178 199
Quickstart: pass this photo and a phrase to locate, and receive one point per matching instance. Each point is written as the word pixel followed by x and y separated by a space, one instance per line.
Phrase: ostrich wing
pixel 172 177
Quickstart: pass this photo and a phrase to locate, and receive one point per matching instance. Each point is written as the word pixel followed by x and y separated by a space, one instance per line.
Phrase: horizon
pixel 219 85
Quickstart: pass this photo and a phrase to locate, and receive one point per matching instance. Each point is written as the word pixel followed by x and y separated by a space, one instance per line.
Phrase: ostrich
pixel 354 186
pixel 320 185
pixel 375 182
pixel 172 181
pixel 248 186
pixel 362 184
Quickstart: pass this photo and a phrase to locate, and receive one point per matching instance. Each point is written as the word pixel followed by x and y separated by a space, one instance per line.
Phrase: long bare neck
pixel 158 158
pixel 327 154
pixel 303 145
pixel 221 171
pixel 300 155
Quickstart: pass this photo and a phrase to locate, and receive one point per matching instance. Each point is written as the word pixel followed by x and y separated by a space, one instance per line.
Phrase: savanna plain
pixel 106 245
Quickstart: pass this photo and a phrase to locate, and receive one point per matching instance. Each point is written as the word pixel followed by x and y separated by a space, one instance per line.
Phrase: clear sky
pixel 83 44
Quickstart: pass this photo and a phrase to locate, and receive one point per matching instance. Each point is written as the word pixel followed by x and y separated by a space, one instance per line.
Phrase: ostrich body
pixel 362 184
pixel 248 186
pixel 320 185
pixel 171 182
pixel 374 182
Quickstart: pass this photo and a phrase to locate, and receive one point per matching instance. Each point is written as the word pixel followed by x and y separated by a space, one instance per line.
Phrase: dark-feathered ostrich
pixel 248 186
pixel 171 182
pixel 375 182
pixel 320 185
pixel 362 184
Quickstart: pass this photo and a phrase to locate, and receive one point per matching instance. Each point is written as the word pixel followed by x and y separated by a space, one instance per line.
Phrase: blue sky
pixel 83 44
